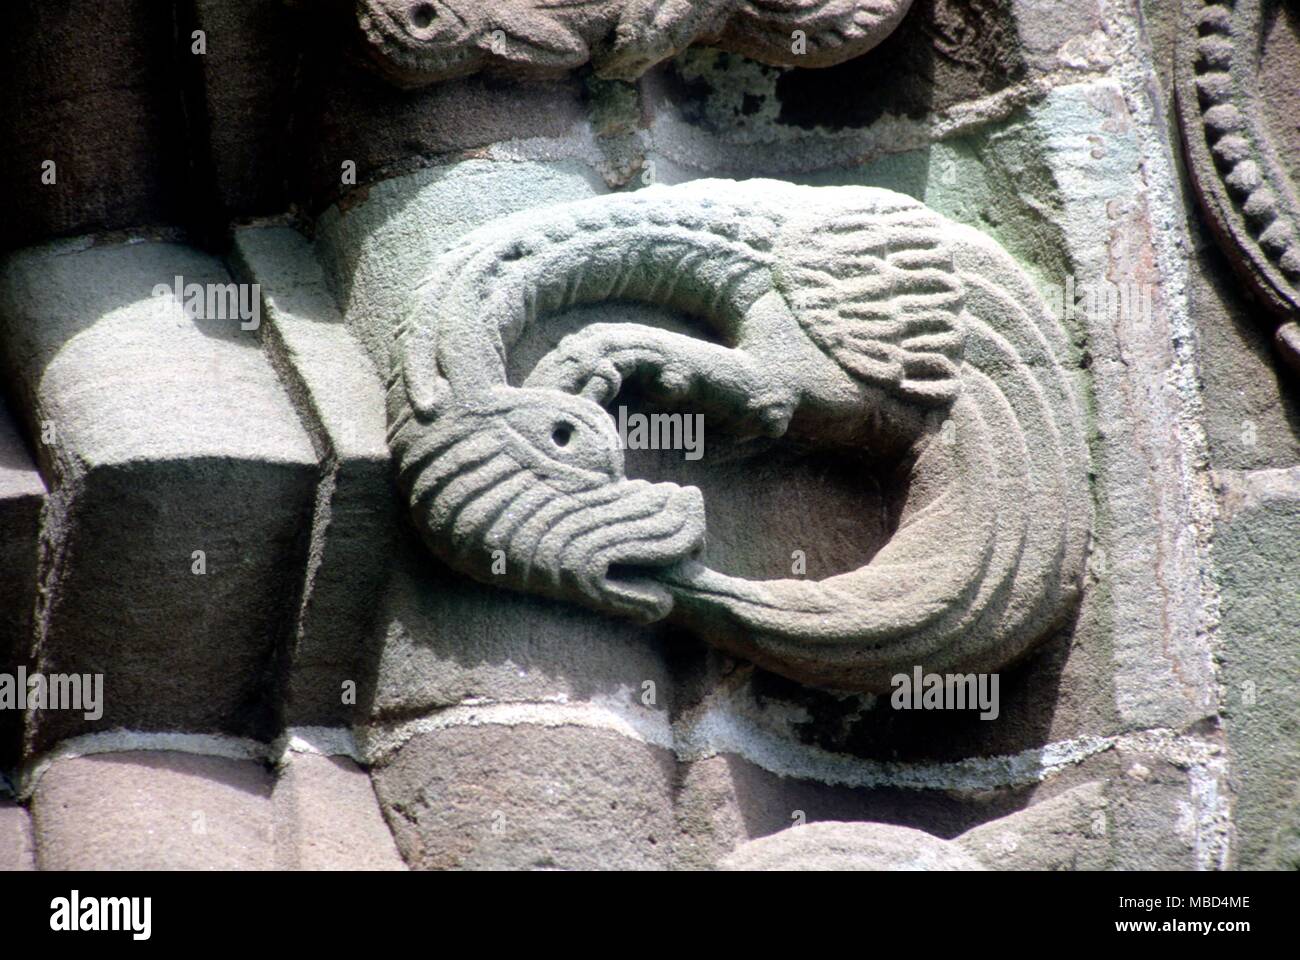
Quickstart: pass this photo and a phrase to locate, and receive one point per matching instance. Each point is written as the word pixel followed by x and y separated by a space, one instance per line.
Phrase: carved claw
pixel 774 412
pixel 578 366
pixel 601 388
pixel 676 379
pixel 593 363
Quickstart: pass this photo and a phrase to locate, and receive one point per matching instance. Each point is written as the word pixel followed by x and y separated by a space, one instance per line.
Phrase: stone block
pixel 1257 554
pixel 146 810
pixel 183 485
pixel 102 103
pixel 16 851
pixel 241 82
pixel 349 117
pixel 1067 832
pixel 1251 400
pixel 851 846
pixel 327 818
pixel 339 397
pixel 444 639
pixel 22 496
pixel 529 797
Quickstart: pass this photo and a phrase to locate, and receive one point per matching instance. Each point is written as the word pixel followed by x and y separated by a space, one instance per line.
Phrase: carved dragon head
pixel 528 487
pixel 411 40
pixel 416 42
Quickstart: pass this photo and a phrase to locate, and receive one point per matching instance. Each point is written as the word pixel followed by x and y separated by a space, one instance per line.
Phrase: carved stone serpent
pixel 847 316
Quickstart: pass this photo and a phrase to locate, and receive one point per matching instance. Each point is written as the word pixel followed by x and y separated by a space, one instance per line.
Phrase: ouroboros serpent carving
pixel 416 42
pixel 848 316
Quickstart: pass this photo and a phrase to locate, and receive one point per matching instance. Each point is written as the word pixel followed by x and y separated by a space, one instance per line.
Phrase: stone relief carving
pixel 415 42
pixel 848 318
pixel 1238 163
pixel 1067 833
pixel 203 515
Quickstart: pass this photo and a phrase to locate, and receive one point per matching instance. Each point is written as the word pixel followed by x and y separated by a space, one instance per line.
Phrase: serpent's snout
pixel 653 526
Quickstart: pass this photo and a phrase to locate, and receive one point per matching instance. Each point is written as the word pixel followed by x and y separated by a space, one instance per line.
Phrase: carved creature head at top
pixel 416 42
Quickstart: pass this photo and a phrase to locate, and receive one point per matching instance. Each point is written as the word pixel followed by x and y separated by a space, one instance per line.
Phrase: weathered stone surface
pixel 1040 819
pixel 1065 833
pixel 103 105
pixel 946 56
pixel 944 52
pixel 357 129
pixel 1148 519
pixel 1257 553
pixel 375 250
pixel 726 801
pixel 232 67
pixel 154 811
pixel 239 88
pixel 170 435
pixel 336 393
pixel 1251 404
pixel 710 821
pixel 529 797
pixel 1062 672
pixel 850 846
pixel 16 851
pixel 415 42
pixel 1250 411
pixel 22 495
pixel 1070 35
pixel 327 818
pixel 444 640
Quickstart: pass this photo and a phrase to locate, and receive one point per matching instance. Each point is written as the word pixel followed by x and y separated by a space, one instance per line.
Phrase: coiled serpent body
pixel 846 315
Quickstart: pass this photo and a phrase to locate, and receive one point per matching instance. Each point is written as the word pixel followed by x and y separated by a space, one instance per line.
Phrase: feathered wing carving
pixel 875 288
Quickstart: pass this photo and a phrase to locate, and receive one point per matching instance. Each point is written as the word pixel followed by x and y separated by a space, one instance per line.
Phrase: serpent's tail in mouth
pixel 916 311
pixel 495 494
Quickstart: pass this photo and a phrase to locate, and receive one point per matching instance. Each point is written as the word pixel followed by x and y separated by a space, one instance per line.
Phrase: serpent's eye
pixel 423 14
pixel 557 432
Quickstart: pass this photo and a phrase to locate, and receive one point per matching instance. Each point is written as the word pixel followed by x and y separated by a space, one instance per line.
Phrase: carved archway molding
pixel 416 42
pixel 845 314
pixel 1243 186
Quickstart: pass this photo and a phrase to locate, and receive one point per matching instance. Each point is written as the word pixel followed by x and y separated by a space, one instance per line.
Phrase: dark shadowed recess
pixel 945 52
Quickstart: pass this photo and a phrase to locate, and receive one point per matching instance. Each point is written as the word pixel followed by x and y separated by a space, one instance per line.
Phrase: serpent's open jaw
pixel 661 525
